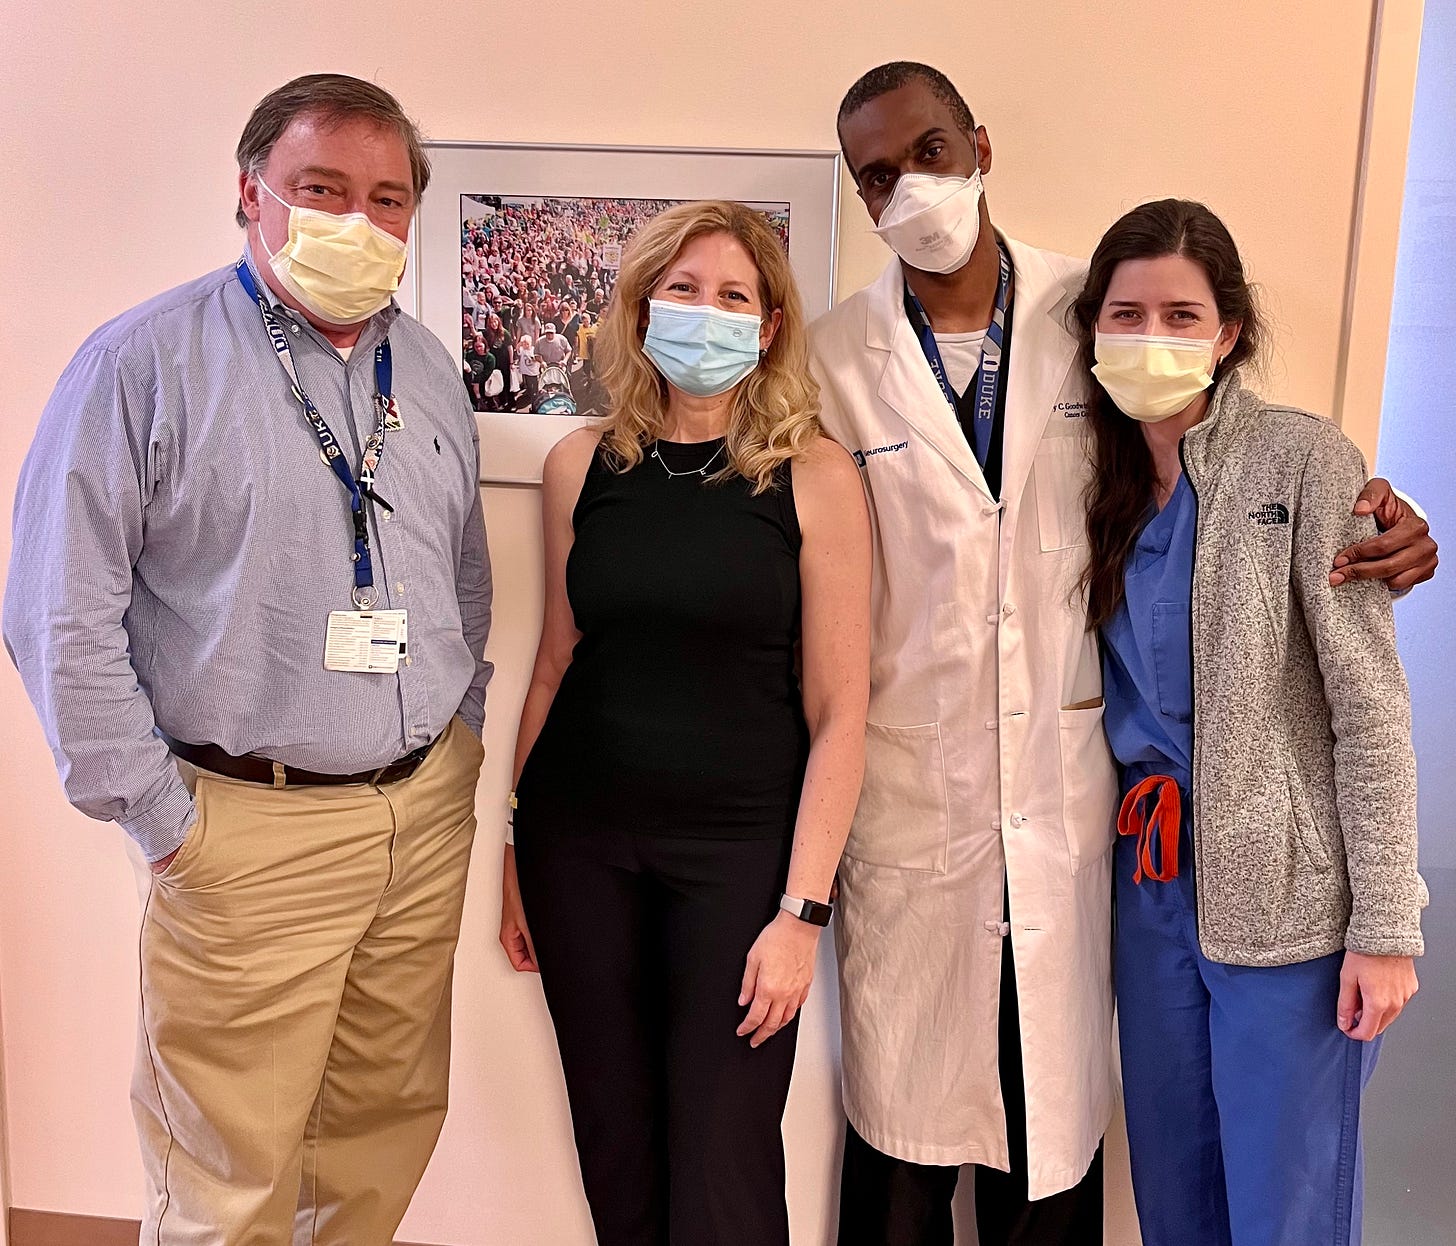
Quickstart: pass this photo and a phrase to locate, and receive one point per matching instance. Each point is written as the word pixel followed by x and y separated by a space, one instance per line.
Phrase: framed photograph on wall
pixel 516 250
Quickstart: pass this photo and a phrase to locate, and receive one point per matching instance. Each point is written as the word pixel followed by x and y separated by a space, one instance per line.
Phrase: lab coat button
pixel 995 824
pixel 1008 608
pixel 1017 820
pixel 993 618
pixel 990 724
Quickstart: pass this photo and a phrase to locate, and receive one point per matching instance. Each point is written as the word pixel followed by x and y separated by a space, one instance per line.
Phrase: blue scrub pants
pixel 1243 1096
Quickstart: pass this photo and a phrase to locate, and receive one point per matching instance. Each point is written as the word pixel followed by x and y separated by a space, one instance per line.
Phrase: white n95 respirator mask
pixel 932 223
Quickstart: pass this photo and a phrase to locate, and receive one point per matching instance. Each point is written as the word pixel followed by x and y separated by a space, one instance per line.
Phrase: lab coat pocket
pixel 1089 786
pixel 1062 470
pixel 902 821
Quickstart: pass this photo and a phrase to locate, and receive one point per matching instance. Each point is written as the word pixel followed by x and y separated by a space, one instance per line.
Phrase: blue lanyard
pixel 365 594
pixel 988 374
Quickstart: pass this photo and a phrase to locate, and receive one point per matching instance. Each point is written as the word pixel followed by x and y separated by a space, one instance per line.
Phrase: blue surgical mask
pixel 699 349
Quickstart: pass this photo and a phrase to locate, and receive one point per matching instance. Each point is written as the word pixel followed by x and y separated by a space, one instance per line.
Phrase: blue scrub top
pixel 1147 650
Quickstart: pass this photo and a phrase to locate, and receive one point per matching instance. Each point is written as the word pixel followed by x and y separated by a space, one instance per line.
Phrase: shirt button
pixel 1017 820
pixel 1008 608
pixel 295 329
pixel 995 824
pixel 993 618
pixel 399 587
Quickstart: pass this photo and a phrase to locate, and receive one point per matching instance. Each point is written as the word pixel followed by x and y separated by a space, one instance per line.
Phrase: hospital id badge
pixel 366 640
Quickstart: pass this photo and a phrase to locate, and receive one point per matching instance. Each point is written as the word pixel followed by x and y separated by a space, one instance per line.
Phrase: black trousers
pixel 642 942
pixel 890 1202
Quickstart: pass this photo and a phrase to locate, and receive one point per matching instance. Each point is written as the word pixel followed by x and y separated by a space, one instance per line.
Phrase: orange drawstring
pixel 1165 823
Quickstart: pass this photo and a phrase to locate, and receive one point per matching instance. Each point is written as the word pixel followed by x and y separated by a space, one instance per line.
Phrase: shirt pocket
pixel 1173 659
pixel 902 821
pixel 1061 470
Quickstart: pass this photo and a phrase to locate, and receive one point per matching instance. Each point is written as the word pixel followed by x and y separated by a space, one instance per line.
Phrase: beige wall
pixel 4 1159
pixel 116 128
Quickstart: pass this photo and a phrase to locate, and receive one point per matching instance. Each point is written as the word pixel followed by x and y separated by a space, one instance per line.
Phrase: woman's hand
pixel 1373 990
pixel 514 935
pixel 777 977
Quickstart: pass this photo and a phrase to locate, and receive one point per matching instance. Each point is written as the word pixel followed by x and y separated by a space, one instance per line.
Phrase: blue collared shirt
pixel 179 544
pixel 1147 649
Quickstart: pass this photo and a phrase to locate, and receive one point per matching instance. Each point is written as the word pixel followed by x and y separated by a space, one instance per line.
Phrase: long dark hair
pixel 1121 489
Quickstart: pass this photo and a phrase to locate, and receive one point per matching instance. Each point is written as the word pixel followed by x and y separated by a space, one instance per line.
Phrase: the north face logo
pixel 1270 513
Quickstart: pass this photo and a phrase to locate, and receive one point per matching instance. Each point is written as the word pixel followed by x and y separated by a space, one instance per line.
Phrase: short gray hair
pixel 334 98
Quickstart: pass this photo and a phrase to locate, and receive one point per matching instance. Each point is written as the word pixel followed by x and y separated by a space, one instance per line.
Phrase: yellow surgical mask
pixel 343 269
pixel 1153 378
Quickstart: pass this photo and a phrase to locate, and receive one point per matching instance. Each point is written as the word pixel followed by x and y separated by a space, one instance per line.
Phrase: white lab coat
pixel 975 763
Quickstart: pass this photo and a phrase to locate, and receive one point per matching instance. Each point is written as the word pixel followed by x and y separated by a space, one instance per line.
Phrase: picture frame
pixel 537 187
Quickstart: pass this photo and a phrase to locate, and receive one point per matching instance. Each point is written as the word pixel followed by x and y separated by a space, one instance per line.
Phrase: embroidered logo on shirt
pixel 861 455
pixel 1270 513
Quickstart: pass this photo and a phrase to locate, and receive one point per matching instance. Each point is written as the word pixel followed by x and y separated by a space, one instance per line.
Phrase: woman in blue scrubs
pixel 1268 904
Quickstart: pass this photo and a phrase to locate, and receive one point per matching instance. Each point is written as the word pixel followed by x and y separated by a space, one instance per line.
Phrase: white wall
pixel 116 131
pixel 1416 442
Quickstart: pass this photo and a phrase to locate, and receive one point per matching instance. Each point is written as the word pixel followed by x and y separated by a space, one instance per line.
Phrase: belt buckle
pixel 410 762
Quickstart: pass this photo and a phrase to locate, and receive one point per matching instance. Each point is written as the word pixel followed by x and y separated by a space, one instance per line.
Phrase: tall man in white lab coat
pixel 974 926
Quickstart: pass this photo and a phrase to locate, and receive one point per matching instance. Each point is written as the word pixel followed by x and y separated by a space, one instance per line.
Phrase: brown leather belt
pixel 254 769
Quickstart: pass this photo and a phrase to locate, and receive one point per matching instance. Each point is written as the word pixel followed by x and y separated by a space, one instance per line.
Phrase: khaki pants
pixel 296 957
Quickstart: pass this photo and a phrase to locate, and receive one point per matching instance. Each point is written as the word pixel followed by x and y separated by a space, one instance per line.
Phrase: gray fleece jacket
pixel 1304 778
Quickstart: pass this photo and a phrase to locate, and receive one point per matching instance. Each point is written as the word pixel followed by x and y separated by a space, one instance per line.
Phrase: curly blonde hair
pixel 775 413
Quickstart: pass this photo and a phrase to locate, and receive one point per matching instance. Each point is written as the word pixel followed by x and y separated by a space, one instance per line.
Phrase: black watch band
pixel 811 911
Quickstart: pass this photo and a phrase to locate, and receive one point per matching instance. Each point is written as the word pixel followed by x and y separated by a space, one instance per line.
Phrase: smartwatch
pixel 810 911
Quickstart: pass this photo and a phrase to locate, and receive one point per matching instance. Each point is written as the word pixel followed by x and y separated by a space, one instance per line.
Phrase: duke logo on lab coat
pixel 976 753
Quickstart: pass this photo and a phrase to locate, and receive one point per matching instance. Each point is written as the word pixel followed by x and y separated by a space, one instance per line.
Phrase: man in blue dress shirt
pixel 249 597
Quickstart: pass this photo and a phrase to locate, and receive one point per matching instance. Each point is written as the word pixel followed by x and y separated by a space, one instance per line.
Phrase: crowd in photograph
pixel 535 277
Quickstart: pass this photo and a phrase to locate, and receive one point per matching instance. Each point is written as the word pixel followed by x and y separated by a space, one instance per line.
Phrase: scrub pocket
pixel 1173 658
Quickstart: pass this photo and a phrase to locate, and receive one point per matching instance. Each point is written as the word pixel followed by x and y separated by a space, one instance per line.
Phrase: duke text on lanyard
pixel 988 374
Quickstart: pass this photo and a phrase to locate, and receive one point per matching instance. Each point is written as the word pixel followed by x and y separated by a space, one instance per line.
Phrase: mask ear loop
pixel 1218 363
pixel 258 177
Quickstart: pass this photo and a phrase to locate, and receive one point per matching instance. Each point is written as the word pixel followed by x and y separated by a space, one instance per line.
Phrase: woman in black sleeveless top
pixel 682 792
